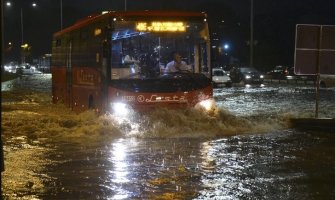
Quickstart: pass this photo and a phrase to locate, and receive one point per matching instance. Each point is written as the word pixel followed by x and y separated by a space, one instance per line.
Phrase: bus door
pixel 201 60
pixel 106 67
pixel 69 94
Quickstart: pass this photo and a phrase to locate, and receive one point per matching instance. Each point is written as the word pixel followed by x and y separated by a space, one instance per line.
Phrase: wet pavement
pixel 245 149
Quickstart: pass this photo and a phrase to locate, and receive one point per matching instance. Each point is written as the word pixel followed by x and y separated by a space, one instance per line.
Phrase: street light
pixel 226 46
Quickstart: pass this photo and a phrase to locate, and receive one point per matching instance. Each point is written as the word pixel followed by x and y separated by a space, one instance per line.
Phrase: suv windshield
pixel 218 73
pixel 248 69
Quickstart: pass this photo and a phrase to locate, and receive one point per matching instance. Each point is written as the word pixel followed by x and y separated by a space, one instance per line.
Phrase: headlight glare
pixel 120 108
pixel 207 104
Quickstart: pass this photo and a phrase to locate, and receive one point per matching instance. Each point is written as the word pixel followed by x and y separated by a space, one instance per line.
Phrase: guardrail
pixel 291 80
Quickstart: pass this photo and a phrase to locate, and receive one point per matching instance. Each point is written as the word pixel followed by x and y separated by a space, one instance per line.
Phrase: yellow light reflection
pixel 208 163
pixel 119 157
pixel 161 27
pixel 119 173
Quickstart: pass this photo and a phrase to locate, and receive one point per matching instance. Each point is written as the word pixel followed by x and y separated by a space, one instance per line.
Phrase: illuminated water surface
pixel 244 150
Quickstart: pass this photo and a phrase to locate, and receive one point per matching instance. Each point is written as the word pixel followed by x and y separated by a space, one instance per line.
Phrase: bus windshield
pixel 143 49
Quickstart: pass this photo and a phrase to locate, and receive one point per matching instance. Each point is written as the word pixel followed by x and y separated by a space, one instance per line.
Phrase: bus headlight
pixel 207 104
pixel 120 109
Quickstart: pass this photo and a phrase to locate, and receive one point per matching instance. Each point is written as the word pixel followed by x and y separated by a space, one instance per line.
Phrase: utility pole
pixel 125 5
pixel 61 14
pixel 2 37
pixel 251 33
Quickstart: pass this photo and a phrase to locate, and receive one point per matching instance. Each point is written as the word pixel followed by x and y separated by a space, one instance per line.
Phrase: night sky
pixel 274 23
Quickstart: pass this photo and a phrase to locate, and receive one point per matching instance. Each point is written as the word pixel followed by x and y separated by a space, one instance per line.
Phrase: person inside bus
pixel 132 62
pixel 177 64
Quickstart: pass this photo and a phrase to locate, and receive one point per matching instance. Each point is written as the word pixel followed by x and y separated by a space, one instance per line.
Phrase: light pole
pixel 24 46
pixel 251 33
pixel 8 4
pixel 21 26
pixel 61 14
pixel 2 36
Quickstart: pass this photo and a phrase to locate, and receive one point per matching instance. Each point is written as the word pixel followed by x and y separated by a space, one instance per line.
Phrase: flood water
pixel 243 149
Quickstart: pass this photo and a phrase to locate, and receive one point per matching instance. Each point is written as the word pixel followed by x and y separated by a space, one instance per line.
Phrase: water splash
pixel 35 116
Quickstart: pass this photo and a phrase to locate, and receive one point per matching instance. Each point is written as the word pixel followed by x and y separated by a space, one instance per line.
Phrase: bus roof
pixel 140 15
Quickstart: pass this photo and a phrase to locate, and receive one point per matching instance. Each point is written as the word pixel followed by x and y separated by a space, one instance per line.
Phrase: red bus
pixel 90 70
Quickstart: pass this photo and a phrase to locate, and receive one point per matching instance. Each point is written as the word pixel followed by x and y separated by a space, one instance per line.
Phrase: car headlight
pixel 261 76
pixel 247 76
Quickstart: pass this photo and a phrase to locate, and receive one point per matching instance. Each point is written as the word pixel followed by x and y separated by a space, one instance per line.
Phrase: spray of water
pixel 35 116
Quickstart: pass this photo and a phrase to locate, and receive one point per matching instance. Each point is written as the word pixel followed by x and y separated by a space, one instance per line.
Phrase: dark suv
pixel 246 75
pixel 281 72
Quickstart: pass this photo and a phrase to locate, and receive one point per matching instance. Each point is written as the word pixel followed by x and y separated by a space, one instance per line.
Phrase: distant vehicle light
pixel 261 76
pixel 247 76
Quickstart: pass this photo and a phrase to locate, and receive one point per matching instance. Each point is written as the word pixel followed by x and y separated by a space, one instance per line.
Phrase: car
pixel 247 75
pixel 10 67
pixel 220 78
pixel 281 72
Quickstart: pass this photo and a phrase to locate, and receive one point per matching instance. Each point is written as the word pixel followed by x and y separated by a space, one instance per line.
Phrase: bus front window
pixel 138 54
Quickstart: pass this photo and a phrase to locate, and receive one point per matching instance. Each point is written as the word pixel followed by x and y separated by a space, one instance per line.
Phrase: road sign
pixel 314 49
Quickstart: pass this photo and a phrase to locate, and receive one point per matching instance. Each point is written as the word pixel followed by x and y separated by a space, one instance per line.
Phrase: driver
pixel 177 65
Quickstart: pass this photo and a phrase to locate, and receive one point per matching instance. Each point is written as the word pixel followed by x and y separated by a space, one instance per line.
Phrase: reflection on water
pixel 244 149
pixel 280 165
pixel 24 176
pixel 119 175
pixel 276 99
pixel 36 82
pixel 126 169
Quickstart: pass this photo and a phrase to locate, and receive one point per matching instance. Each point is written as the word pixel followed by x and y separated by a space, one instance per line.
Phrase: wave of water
pixel 34 115
pixel 238 111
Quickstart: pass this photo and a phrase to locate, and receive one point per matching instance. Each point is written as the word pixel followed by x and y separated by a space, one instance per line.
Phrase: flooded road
pixel 244 149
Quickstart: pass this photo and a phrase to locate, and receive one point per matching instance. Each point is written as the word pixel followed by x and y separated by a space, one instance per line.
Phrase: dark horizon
pixel 274 23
